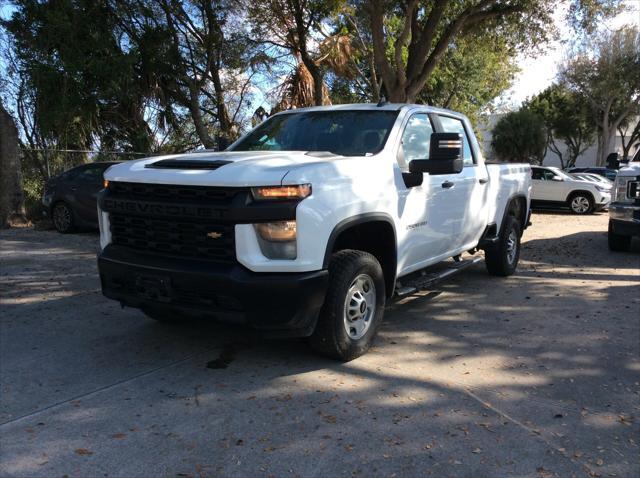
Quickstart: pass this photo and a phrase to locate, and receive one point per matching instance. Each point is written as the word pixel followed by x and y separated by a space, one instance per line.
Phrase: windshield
pixel 349 133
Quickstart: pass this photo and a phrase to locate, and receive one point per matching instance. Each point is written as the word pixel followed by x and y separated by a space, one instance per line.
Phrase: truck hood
pixel 631 169
pixel 239 168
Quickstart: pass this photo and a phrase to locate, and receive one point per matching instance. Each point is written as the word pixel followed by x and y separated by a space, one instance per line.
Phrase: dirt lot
pixel 537 375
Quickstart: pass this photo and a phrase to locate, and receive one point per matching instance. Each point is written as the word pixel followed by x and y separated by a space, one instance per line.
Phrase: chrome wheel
pixel 359 306
pixel 512 246
pixel 580 204
pixel 61 217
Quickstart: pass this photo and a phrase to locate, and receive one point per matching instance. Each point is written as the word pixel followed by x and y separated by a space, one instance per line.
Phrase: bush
pixel 520 137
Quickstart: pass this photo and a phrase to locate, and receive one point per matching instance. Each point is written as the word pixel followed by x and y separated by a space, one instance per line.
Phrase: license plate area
pixel 153 287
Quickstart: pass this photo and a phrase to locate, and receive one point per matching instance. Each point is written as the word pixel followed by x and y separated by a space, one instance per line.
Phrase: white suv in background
pixel 553 188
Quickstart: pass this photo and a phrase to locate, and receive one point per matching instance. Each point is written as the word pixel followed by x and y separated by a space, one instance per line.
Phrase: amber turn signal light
pixel 281 192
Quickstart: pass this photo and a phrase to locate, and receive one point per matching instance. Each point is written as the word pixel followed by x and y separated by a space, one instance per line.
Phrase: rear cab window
pixel 455 125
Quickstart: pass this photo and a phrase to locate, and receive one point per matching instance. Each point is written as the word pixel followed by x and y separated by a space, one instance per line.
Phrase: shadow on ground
pixel 534 375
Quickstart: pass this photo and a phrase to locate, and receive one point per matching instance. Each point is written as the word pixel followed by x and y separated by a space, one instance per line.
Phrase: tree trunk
pixel 607 145
pixel 198 121
pixel 11 194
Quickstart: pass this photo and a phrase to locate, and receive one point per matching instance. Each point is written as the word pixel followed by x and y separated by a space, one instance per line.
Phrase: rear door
pixel 467 197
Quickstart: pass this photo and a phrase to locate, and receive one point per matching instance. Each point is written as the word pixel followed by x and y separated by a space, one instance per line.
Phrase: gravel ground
pixel 537 375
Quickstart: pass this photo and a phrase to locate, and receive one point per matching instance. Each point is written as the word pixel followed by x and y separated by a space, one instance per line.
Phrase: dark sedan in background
pixel 70 198
pixel 608 173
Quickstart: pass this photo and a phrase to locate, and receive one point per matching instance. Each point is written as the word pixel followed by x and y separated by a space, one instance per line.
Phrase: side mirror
pixel 445 155
pixel 557 178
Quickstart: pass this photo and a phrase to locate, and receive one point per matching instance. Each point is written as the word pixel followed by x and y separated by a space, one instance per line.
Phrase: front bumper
pixel 281 304
pixel 625 219
pixel 603 200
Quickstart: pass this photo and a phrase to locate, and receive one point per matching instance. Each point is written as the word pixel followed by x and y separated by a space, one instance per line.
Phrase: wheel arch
pixel 370 232
pixel 586 192
pixel 517 207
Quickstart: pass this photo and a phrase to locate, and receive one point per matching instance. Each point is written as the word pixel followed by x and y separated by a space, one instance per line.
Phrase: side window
pixel 548 174
pixel 454 125
pixel 537 174
pixel 416 139
pixel 91 174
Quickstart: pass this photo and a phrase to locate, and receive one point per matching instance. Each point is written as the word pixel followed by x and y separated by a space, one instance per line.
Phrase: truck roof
pixel 372 107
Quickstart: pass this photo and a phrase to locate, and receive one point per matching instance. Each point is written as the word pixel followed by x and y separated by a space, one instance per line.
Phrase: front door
pixel 544 188
pixel 427 226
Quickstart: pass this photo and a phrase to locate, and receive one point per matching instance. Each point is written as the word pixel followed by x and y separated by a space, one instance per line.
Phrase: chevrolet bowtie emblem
pixel 214 235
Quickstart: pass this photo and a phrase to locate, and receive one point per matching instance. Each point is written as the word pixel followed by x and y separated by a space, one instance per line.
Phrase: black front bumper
pixel 281 304
pixel 625 219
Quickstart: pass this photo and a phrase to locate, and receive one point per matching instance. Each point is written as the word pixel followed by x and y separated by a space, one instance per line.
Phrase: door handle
pixel 483 180
pixel 73 188
pixel 447 184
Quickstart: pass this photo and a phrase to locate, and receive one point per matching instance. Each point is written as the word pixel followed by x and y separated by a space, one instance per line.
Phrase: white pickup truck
pixel 624 213
pixel 306 225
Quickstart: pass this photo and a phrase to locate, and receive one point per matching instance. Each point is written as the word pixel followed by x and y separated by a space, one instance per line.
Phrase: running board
pixel 428 280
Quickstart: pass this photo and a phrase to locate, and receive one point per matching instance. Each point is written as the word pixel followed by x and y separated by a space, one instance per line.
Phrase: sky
pixel 539 72
pixel 536 73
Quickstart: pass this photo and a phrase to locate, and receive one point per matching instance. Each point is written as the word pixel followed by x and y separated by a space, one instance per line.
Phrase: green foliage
pixel 567 118
pixel 606 71
pixel 519 136
pixel 81 75
pixel 474 71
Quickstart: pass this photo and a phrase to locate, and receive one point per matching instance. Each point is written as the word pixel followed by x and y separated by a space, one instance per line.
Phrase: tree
pixel 629 138
pixel 11 195
pixel 406 57
pixel 567 118
pixel 294 26
pixel 607 72
pixel 76 77
pixel 519 136
pixel 197 57
pixel 472 73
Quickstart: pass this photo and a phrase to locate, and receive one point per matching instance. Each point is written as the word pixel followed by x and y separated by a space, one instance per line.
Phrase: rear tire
pixel 581 203
pixel 353 308
pixel 502 258
pixel 62 218
pixel 617 242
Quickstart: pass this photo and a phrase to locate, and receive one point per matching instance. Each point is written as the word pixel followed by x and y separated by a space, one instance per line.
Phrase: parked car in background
pixel 593 178
pixel 624 213
pixel 70 199
pixel 553 188
pixel 610 174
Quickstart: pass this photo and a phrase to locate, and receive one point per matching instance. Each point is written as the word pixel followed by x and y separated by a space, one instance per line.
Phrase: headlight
pixel 277 240
pixel 603 189
pixel 620 190
pixel 266 193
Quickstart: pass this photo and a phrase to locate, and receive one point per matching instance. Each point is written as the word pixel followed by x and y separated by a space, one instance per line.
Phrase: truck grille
pixel 180 238
pixel 157 228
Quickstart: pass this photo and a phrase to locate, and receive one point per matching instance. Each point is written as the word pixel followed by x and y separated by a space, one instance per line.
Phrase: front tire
pixel 617 242
pixel 502 258
pixel 581 203
pixel 353 308
pixel 62 217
